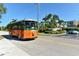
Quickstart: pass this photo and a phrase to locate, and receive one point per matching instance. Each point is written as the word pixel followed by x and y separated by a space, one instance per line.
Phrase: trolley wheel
pixel 19 37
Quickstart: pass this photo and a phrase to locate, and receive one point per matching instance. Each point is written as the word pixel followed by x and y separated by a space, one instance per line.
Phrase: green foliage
pixel 54 32
pixel 71 28
pixel 57 32
pixel 50 21
pixel 2 28
pixel 47 17
pixel 61 21
pixel 55 17
pixel 2 10
pixel 11 23
pixel 53 23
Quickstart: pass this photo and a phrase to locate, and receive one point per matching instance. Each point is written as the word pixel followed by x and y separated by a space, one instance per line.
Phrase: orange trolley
pixel 24 29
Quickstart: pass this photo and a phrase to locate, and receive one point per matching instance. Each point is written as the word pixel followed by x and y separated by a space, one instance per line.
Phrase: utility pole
pixel 37 6
pixel 38 12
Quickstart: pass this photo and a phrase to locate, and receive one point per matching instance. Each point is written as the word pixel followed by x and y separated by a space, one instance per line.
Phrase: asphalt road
pixel 49 45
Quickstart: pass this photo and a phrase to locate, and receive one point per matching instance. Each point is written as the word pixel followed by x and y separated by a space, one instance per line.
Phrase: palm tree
pixel 47 20
pixel 47 17
pixel 55 17
pixel 54 21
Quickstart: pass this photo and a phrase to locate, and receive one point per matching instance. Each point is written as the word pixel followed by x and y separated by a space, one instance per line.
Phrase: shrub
pixel 58 32
pixel 54 32
pixel 71 28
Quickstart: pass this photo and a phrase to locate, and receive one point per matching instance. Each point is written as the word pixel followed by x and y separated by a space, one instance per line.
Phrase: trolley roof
pixel 27 20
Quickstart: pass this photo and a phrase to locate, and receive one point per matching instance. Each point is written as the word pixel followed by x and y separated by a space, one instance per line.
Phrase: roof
pixel 27 20
pixel 23 20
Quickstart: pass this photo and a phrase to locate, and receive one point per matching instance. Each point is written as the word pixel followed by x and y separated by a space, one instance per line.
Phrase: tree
pixel 47 17
pixel 55 17
pixel 2 10
pixel 51 21
pixel 46 20
pixel 13 21
pixel 54 21
pixel 61 21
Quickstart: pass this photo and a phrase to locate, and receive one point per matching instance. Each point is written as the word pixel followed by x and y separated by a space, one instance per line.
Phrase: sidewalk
pixel 9 49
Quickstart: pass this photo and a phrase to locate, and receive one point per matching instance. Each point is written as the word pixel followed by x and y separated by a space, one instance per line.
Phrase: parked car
pixel 72 32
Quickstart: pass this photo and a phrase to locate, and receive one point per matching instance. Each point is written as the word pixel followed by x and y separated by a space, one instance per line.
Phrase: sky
pixel 22 11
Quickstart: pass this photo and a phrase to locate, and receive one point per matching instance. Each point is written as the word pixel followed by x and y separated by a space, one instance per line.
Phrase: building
pixel 73 23
pixel 76 23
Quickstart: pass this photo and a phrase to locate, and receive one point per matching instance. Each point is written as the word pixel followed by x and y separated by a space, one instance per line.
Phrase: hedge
pixel 71 28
